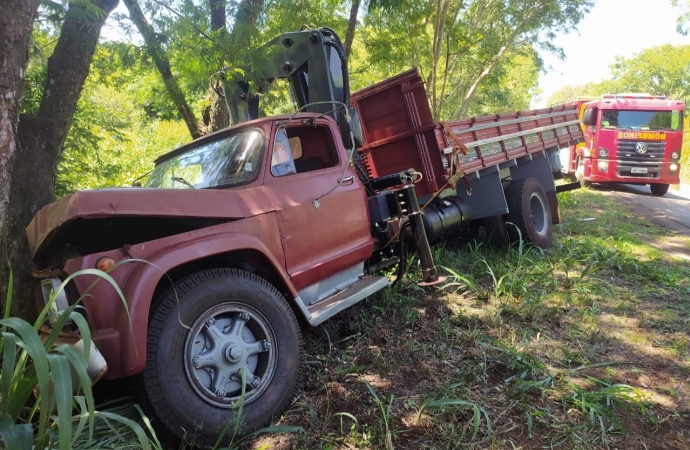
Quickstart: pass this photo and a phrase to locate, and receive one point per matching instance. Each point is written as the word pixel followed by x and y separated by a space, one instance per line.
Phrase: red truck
pixel 278 221
pixel 629 138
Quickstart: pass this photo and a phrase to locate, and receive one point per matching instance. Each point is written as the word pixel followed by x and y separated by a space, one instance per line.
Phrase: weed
pixel 28 363
pixel 385 407
pixel 599 405
pixel 477 412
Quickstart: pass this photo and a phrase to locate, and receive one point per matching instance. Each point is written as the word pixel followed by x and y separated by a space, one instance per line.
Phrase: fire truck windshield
pixel 641 120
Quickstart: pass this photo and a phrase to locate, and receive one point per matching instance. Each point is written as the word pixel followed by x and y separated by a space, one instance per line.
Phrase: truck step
pixel 568 187
pixel 330 306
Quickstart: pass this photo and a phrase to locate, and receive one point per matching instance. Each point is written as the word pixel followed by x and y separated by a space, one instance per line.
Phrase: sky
pixel 612 28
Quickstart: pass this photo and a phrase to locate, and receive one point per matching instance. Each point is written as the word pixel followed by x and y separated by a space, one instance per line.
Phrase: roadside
pixel 671 211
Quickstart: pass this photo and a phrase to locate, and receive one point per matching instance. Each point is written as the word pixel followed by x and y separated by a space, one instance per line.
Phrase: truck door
pixel 325 236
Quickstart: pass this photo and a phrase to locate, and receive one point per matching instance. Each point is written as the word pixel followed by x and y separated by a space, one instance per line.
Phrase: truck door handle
pixel 347 180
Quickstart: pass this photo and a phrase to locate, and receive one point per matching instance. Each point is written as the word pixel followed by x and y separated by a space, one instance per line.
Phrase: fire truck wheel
pixel 496 231
pixel 580 173
pixel 659 189
pixel 217 330
pixel 528 210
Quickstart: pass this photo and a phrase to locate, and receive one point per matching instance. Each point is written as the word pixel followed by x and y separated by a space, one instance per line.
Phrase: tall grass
pixel 38 379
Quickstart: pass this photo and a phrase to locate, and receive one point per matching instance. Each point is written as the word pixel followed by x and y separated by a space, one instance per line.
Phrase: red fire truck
pixel 629 138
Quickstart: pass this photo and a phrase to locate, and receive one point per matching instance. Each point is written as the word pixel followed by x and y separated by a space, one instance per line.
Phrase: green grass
pixel 583 345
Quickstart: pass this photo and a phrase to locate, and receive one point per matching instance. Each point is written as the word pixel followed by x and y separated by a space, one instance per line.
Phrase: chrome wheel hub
pixel 225 342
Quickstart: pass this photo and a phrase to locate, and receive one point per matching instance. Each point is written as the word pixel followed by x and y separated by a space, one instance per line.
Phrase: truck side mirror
pixel 589 118
pixel 354 126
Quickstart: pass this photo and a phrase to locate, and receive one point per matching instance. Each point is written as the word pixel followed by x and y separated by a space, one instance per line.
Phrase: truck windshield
pixel 228 161
pixel 642 120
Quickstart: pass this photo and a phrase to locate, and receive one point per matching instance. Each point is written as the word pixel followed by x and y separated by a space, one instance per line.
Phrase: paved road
pixel 671 211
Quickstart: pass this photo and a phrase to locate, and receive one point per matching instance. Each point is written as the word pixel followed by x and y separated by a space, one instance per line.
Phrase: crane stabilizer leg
pixel 408 201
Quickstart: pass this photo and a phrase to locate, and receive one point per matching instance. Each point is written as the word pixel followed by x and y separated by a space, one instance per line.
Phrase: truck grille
pixel 626 151
pixel 634 164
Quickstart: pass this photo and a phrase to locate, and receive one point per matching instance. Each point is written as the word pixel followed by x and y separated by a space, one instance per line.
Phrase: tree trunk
pixel 219 114
pixel 15 36
pixel 217 8
pixel 248 12
pixel 351 26
pixel 154 49
pixel 41 138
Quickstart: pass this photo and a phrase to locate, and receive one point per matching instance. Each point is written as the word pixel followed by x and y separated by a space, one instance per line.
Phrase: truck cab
pixel 631 138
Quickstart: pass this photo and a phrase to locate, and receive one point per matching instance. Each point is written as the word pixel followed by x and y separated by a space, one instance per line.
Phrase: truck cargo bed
pixel 400 133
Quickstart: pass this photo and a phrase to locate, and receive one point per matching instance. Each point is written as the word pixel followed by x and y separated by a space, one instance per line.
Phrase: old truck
pixel 238 237
pixel 629 138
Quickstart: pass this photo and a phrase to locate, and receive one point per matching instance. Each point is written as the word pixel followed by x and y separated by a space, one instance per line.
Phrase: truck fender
pixel 142 281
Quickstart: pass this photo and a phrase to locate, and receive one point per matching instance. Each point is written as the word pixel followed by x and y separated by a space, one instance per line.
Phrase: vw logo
pixel 641 148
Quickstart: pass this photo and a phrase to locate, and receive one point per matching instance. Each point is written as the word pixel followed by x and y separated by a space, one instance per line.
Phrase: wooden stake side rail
pixel 492 140
pixel 400 133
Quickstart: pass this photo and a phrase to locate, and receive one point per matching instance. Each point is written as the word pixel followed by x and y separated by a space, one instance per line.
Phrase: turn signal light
pixel 105 264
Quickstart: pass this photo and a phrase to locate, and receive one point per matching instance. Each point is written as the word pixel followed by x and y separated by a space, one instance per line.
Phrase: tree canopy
pixel 84 111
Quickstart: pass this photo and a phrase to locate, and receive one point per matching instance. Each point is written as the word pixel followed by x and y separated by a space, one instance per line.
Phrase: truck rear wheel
pixel 528 209
pixel 215 325
pixel 659 189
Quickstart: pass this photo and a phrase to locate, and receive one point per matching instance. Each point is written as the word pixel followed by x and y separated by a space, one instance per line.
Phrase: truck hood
pixel 137 202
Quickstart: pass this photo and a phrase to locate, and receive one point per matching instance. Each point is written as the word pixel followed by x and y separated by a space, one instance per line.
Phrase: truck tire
pixel 496 231
pixel 201 334
pixel 659 189
pixel 528 209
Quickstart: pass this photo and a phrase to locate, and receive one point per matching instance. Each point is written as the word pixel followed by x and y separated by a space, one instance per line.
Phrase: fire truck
pixel 629 138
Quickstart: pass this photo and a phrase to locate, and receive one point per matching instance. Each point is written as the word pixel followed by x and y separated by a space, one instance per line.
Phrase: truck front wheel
pixel 659 189
pixel 528 209
pixel 580 173
pixel 216 328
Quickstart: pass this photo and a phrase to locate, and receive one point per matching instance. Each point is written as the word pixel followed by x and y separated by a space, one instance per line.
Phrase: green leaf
pixel 16 436
pixel 34 348
pixel 8 359
pixel 147 422
pixel 373 391
pixel 141 434
pixel 80 364
pixel 8 302
pixel 62 385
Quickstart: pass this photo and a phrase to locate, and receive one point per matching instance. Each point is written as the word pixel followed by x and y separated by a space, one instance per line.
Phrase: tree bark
pixel 351 26
pixel 15 36
pixel 219 116
pixel 41 138
pixel 217 8
pixel 248 12
pixel 154 49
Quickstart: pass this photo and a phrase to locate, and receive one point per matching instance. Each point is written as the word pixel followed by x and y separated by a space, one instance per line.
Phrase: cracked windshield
pixel 231 161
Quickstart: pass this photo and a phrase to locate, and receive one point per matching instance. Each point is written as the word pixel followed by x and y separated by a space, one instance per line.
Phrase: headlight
pixel 55 297
pixel 603 166
pixel 604 153
pixel 673 167
pixel 675 155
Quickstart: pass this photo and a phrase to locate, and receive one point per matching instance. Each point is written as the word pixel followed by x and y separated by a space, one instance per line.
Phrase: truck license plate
pixel 638 170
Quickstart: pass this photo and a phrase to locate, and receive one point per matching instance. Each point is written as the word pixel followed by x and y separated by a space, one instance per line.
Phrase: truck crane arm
pixel 314 63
